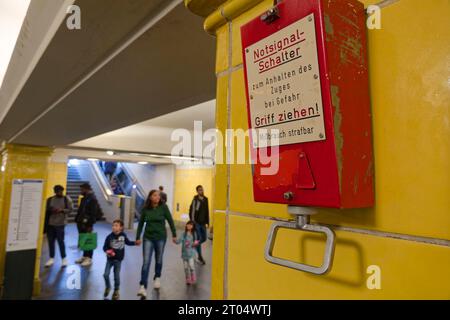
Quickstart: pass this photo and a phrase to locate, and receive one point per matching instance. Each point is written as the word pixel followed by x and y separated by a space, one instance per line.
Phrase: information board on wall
pixel 283 85
pixel 24 215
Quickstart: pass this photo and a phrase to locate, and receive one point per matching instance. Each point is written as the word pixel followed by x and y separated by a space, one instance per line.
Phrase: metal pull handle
pixel 302 224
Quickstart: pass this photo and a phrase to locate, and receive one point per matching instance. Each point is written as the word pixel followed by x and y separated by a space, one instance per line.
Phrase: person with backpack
pixel 57 209
pixel 88 213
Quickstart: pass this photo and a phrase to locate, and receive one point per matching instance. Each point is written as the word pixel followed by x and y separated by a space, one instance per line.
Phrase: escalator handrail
pixel 101 179
pixel 134 180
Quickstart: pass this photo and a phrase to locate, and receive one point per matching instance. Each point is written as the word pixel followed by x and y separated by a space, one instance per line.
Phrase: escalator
pixel 82 171
pixel 124 183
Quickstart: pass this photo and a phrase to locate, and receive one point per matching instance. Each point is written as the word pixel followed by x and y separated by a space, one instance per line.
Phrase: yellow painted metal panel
pixel 241 20
pixel 218 256
pixel 408 269
pixel 220 171
pixel 222 52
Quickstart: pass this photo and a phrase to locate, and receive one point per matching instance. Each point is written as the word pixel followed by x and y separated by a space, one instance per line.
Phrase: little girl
pixel 188 243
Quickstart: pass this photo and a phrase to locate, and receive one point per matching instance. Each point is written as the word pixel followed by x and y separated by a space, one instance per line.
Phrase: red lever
pixel 304 179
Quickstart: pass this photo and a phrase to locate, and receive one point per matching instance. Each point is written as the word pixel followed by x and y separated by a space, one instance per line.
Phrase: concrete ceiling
pixel 154 136
pixel 12 14
pixel 185 118
pixel 168 68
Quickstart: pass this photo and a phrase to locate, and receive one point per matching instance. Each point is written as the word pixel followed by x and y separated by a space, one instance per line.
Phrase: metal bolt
pixel 316 76
pixel 321 135
pixel 246 50
pixel 302 220
pixel 310 19
pixel 288 195
pixel 251 97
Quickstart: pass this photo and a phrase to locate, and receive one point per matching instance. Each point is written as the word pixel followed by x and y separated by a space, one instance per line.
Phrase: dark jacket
pixel 88 210
pixel 199 210
pixel 117 243
pixel 110 167
pixel 163 197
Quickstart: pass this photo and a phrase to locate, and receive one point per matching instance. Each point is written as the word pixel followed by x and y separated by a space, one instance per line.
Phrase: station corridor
pixel 173 285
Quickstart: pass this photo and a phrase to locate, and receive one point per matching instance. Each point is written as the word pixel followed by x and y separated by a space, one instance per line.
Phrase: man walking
pixel 86 218
pixel 162 195
pixel 199 213
pixel 57 209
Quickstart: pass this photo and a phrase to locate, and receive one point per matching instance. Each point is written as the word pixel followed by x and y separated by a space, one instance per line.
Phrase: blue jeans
pixel 200 229
pixel 147 249
pixel 110 263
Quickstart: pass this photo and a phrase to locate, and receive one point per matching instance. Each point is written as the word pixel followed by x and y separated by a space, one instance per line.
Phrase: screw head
pixel 316 76
pixel 288 195
pixel 321 136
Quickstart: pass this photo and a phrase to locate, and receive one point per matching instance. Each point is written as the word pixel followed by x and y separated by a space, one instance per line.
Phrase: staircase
pixel 73 189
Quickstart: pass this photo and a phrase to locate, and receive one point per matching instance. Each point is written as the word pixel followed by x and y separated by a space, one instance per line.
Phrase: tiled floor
pixel 58 283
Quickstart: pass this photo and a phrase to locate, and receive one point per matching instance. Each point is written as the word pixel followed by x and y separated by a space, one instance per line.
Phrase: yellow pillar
pixel 405 238
pixel 21 162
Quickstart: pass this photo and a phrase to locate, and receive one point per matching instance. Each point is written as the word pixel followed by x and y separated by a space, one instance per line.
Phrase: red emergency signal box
pixel 306 74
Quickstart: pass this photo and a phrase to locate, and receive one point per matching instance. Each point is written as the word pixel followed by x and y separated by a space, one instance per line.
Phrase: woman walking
pixel 154 215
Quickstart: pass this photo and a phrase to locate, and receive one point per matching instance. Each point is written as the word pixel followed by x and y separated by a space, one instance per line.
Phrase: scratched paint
pixel 329 28
pixel 338 138
pixel 351 51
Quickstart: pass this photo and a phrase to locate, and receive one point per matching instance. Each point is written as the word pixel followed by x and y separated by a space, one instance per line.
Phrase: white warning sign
pixel 284 86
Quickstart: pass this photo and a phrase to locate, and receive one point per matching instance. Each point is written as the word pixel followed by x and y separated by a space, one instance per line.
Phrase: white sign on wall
pixel 284 85
pixel 24 215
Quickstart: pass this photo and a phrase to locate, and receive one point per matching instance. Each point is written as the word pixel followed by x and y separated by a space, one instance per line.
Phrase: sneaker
pixel 116 295
pixel 50 262
pixel 193 279
pixel 86 262
pixel 142 292
pixel 64 263
pixel 107 291
pixel 188 280
pixel 80 260
pixel 157 283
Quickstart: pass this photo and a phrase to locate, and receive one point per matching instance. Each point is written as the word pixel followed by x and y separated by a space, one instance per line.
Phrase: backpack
pixel 98 210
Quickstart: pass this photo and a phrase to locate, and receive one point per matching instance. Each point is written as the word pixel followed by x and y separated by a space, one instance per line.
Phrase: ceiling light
pixel 143 162
pixel 74 162
pixel 110 153
pixel 93 159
